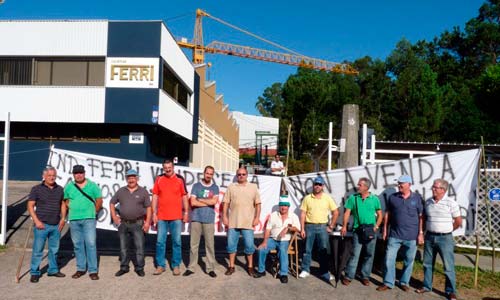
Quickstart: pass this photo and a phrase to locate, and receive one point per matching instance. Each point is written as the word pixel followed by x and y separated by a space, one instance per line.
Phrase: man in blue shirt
pixel 404 215
pixel 204 196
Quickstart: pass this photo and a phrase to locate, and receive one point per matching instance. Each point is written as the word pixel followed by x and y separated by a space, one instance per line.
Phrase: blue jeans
pixel 233 235
pixel 316 233
pixel 410 249
pixel 52 234
pixel 367 261
pixel 83 235
pixel 444 245
pixel 282 252
pixel 164 227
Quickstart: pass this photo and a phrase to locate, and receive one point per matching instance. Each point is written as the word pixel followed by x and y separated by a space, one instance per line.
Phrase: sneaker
pixel 176 271
pixel 328 276
pixel 259 274
pixel 187 273
pixel 284 279
pixel 212 274
pixel 304 274
pixel 120 273
pixel 34 278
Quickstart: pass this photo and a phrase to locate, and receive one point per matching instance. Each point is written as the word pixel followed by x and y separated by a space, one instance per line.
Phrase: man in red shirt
pixel 170 210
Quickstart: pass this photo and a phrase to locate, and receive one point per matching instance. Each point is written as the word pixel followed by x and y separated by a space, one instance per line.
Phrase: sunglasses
pixel 316 183
pixel 241 174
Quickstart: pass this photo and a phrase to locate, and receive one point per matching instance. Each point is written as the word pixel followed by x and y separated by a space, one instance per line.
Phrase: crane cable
pixel 251 34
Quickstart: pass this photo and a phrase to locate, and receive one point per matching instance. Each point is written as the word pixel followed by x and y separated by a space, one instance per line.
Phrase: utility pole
pixel 349 137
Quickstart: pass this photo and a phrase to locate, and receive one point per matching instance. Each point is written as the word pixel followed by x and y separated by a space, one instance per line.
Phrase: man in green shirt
pixel 83 198
pixel 363 206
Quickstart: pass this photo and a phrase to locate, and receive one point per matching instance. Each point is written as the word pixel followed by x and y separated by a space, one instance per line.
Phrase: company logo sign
pixel 132 72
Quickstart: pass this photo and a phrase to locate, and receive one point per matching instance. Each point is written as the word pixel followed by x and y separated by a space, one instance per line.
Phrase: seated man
pixel 277 235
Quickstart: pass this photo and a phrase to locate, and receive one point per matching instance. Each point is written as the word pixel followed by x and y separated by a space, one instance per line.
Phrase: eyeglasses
pixel 317 183
pixel 241 174
pixel 437 187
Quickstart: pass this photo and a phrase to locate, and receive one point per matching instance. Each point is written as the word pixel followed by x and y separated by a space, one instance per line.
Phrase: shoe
pixel 120 273
pixel 421 290
pixel 78 274
pixel 284 279
pixel 304 274
pixel 140 273
pixel 251 272
pixel 58 275
pixel 259 274
pixel 328 276
pixel 212 274
pixel 229 271
pixel 383 288
pixel 94 276
pixel 187 273
pixel 365 282
pixel 405 288
pixel 452 296
pixel 34 278
pixel 176 271
pixel 346 281
pixel 158 271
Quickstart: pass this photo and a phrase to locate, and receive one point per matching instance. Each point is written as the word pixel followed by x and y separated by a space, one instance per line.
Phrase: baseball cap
pixel 405 179
pixel 78 169
pixel 319 179
pixel 131 172
pixel 284 201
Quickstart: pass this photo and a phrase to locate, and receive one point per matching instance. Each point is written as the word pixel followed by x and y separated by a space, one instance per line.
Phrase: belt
pixel 316 223
pixel 438 233
pixel 131 220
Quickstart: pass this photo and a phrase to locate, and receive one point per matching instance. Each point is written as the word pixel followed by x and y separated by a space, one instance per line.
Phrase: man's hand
pixel 61 225
pixel 39 225
pixel 303 233
pixel 116 219
pixel 185 218
pixel 329 229
pixel 263 245
pixel 420 239
pixel 145 227
pixel 384 235
pixel 284 232
pixel 343 231
pixel 155 219
pixel 225 221
pixel 255 222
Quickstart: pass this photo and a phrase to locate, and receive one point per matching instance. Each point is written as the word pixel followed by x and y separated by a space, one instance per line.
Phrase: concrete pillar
pixel 350 127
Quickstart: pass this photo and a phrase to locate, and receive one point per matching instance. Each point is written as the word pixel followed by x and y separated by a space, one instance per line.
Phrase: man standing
pixel 442 217
pixel 84 200
pixel 170 210
pixel 279 227
pixel 363 206
pixel 404 215
pixel 204 196
pixel 47 198
pixel 241 212
pixel 134 206
pixel 277 168
pixel 315 210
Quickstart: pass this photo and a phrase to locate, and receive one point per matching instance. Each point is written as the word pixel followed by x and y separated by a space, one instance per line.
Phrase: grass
pixel 488 282
pixel 481 252
pixel 3 248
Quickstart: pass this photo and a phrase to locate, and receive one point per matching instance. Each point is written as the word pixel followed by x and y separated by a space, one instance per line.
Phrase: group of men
pixel 404 223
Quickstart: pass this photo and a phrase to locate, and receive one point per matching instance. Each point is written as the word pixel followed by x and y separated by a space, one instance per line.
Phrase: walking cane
pixel 21 259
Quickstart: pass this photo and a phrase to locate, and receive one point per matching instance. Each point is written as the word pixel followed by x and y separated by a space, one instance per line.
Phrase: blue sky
pixel 333 30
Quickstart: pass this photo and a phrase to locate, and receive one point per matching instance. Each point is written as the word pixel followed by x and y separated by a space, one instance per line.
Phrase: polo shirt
pixel 132 204
pixel 276 224
pixel 242 199
pixel 80 207
pixel 204 214
pixel 170 191
pixel 439 215
pixel 47 202
pixel 367 209
pixel 404 215
pixel 318 209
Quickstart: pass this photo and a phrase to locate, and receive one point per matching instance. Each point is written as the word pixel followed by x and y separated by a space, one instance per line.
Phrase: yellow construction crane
pixel 292 58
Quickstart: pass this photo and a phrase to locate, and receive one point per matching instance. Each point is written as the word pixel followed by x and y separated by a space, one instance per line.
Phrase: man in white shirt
pixel 277 168
pixel 442 217
pixel 279 227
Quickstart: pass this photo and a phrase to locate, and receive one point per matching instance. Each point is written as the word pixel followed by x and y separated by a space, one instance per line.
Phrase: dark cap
pixel 78 169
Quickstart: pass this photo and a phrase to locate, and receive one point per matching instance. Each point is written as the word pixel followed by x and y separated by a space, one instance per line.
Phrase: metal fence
pixel 486 181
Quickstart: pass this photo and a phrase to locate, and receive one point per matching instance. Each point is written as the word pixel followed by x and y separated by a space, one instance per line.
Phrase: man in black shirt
pixel 47 198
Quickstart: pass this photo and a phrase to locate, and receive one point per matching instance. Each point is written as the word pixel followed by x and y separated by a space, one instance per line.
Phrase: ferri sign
pixel 132 72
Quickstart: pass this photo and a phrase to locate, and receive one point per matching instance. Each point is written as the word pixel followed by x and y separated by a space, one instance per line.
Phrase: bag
pixel 366 232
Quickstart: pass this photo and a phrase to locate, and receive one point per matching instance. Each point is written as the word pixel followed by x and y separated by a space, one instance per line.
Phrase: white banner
pixel 109 174
pixel 460 169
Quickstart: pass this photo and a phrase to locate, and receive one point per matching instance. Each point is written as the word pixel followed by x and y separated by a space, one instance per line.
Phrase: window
pixel 52 71
pixel 174 87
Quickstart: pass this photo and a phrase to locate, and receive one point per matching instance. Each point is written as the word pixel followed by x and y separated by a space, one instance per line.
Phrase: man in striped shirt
pixel 442 217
